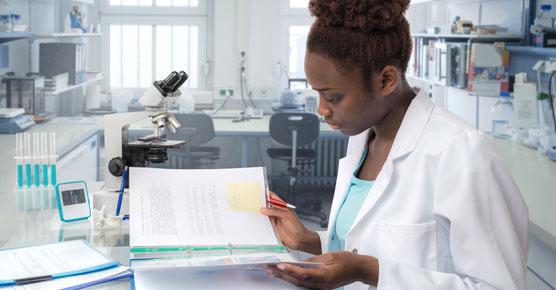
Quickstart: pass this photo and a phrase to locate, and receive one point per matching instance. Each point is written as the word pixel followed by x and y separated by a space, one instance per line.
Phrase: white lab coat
pixel 444 212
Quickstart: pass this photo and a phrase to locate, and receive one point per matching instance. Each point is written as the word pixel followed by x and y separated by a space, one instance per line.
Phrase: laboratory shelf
pixel 11 36
pixel 532 50
pixel 67 35
pixel 73 87
pixel 91 2
pixel 454 89
pixel 476 37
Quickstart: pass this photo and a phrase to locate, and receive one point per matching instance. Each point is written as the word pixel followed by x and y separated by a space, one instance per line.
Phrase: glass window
pixel 297 43
pixel 158 3
pixel 299 3
pixel 136 60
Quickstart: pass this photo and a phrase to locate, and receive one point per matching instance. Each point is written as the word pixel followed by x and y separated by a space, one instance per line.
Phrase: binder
pixel 230 198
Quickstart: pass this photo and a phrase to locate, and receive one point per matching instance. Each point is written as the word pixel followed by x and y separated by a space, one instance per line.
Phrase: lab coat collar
pixel 413 123
pixel 406 140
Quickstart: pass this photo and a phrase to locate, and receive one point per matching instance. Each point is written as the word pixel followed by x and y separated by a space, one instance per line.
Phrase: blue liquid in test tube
pixel 45 175
pixel 53 174
pixel 19 159
pixel 28 175
pixel 37 175
pixel 20 175
pixel 52 159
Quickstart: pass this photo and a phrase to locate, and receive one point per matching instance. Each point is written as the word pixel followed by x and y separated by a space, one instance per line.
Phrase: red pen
pixel 280 203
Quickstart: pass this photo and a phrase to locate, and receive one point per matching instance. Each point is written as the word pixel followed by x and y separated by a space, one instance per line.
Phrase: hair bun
pixel 364 15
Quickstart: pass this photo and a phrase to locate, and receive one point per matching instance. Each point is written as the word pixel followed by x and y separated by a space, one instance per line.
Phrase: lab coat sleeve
pixel 323 235
pixel 487 218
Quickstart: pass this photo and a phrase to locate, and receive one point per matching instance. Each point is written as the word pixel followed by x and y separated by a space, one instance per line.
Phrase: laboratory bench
pixel 78 144
pixel 535 175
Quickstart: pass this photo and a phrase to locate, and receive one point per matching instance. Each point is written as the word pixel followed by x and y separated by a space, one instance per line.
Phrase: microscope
pixel 120 153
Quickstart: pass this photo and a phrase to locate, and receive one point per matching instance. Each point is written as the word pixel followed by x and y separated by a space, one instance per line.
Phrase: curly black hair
pixel 366 34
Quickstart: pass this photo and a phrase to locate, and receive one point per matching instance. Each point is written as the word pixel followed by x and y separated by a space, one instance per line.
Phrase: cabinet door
pixel 81 163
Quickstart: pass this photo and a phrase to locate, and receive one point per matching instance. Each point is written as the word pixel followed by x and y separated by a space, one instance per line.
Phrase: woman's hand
pixel 339 269
pixel 292 232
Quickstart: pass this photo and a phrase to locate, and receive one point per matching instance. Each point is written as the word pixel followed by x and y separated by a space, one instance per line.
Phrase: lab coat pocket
pixel 412 244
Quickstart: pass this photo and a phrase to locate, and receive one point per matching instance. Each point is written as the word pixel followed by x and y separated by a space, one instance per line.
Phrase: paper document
pixel 198 207
pixel 218 263
pixel 75 281
pixel 52 259
pixel 202 280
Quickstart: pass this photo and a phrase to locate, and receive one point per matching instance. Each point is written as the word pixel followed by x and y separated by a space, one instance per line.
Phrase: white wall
pixel 253 26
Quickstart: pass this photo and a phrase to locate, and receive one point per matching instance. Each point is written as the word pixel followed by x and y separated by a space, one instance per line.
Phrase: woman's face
pixel 345 102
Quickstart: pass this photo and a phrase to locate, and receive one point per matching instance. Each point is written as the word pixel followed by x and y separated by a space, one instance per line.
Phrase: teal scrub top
pixel 351 205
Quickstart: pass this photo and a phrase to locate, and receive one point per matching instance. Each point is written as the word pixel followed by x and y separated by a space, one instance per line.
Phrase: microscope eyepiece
pixel 171 83
pixel 182 78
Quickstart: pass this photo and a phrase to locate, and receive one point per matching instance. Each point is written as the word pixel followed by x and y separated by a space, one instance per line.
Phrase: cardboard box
pixel 488 70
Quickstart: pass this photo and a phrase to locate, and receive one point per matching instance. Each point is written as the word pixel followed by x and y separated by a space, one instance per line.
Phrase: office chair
pixel 295 130
pixel 197 129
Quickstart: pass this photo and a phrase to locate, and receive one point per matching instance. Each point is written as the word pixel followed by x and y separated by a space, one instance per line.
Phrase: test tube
pixel 44 161
pixel 37 169
pixel 36 159
pixel 52 147
pixel 20 192
pixel 28 172
pixel 52 158
pixel 44 158
pixel 19 158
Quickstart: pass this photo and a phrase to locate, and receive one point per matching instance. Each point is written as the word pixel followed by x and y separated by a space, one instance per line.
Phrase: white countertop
pixel 70 132
pixel 535 175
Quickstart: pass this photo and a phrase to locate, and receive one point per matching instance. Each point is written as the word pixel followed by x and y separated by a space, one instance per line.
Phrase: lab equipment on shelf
pixel 542 29
pixel 14 120
pixel 501 115
pixel 5 16
pixel 525 103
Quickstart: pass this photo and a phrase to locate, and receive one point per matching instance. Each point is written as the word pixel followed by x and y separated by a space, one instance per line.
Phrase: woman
pixel 422 200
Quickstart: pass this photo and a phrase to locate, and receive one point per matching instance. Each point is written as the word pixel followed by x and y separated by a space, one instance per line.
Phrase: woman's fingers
pixel 292 278
pixel 274 212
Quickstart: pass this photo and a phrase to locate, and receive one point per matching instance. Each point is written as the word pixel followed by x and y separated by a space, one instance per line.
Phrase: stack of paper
pixel 57 266
pixel 206 219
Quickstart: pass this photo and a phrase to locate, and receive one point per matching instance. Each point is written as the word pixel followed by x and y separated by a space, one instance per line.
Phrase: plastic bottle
pixel 501 115
pixel 5 16
pixel 544 19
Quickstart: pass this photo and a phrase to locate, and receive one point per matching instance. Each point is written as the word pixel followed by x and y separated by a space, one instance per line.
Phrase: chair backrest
pixel 196 128
pixel 283 124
